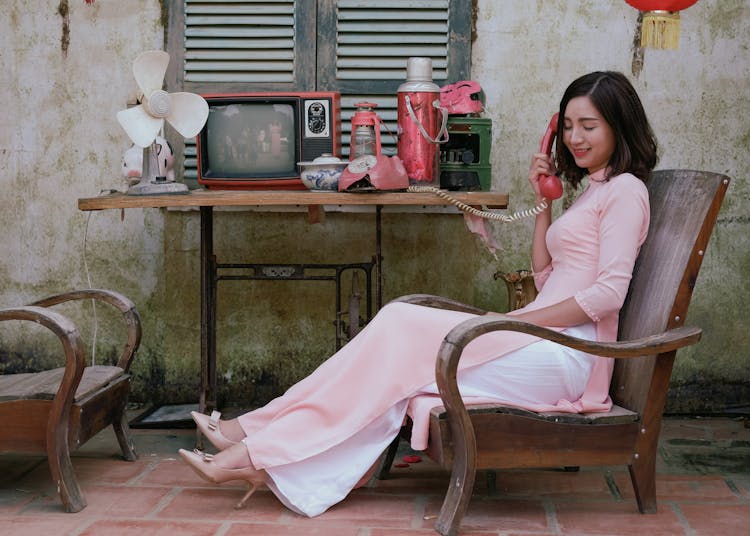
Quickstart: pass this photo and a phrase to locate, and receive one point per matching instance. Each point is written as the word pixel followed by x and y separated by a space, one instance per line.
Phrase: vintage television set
pixel 253 141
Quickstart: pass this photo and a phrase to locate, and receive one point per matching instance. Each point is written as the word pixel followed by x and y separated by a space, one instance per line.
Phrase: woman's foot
pixel 213 428
pixel 238 467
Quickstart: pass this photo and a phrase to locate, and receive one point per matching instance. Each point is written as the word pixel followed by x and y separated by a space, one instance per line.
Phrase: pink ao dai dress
pixel 318 439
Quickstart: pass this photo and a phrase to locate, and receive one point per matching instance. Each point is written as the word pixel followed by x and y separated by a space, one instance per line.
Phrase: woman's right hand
pixel 541 165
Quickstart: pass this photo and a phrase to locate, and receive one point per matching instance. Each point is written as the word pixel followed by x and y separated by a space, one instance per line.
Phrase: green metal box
pixel 465 157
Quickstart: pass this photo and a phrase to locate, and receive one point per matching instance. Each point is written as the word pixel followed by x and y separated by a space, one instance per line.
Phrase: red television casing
pixel 316 130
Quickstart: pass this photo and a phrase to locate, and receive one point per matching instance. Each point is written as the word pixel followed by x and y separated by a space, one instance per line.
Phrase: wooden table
pixel 206 200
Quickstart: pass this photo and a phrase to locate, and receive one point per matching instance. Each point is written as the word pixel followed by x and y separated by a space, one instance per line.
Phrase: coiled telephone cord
pixel 541 207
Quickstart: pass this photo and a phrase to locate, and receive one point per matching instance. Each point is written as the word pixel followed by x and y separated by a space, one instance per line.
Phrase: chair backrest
pixel 684 207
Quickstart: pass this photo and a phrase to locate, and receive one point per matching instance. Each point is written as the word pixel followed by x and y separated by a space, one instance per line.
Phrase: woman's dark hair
pixel 617 101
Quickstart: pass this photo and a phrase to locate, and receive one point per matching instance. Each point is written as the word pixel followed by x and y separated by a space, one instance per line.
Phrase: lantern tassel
pixel 661 29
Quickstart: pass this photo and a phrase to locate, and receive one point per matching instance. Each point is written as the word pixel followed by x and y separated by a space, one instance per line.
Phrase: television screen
pixel 254 140
pixel 257 136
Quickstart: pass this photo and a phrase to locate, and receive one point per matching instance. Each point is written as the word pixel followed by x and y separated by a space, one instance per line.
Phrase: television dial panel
pixel 317 118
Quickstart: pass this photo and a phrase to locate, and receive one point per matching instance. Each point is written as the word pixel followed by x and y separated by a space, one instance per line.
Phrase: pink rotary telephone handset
pixel 550 186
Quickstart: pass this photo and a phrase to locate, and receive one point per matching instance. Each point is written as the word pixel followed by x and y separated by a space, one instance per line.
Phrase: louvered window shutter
pixel 241 45
pixel 363 45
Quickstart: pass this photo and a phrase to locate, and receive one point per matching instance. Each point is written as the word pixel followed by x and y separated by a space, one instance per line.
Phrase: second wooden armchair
pixel 52 412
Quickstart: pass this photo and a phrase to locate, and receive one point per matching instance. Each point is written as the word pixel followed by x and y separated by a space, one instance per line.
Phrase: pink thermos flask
pixel 421 124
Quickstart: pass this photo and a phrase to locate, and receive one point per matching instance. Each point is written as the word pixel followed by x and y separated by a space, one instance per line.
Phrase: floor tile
pixel 365 509
pixel 107 470
pixel 116 527
pixel 258 529
pixel 111 501
pixel 715 519
pixel 494 514
pixel 679 487
pixel 431 532
pixel 615 519
pixel 13 500
pixel 217 504
pixel 41 526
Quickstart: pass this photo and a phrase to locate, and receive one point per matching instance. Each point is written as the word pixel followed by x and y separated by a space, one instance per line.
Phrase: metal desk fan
pixel 186 112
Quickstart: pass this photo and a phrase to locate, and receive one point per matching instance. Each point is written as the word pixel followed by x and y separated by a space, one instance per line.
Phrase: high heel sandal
pixel 201 463
pixel 209 427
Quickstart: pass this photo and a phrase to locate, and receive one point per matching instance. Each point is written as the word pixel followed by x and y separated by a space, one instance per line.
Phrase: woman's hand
pixel 541 164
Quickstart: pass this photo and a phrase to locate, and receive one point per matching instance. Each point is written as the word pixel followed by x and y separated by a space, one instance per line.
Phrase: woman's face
pixel 587 135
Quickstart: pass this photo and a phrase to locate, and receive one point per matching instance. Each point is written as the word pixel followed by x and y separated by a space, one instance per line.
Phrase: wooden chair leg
pixel 387 459
pixel 643 468
pixel 61 468
pixel 122 431
pixel 643 477
pixel 457 498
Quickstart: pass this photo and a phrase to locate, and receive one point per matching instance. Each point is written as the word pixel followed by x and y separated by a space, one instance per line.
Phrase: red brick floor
pixel 703 488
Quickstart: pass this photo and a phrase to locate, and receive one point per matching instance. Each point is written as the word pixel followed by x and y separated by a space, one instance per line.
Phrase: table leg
pixel 378 258
pixel 207 400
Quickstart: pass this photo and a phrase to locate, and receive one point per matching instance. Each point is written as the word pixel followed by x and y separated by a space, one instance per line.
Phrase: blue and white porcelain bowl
pixel 322 174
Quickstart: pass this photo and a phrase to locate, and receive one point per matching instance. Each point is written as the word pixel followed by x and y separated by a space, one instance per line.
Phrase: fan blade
pixel 140 127
pixel 188 113
pixel 149 69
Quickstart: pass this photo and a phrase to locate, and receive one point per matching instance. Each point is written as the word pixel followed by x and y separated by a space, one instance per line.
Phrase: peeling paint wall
pixel 67 71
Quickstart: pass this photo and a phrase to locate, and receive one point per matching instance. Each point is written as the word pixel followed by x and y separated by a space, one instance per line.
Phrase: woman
pixel 353 405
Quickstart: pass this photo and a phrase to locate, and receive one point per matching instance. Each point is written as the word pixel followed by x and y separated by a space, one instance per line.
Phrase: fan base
pixel 158 188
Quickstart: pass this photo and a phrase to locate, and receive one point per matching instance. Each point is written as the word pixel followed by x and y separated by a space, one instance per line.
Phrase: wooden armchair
pixel 54 411
pixel 684 208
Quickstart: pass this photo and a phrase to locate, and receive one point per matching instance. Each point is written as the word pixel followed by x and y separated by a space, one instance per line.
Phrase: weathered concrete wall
pixel 66 72
pixel 59 140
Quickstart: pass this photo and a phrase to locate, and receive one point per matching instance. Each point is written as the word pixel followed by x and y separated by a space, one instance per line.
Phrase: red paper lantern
pixel 661 21
pixel 661 5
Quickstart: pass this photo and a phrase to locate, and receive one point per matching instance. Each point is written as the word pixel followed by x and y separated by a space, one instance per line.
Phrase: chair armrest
pixel 75 362
pixel 456 340
pixel 439 302
pixel 667 341
pixel 121 303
